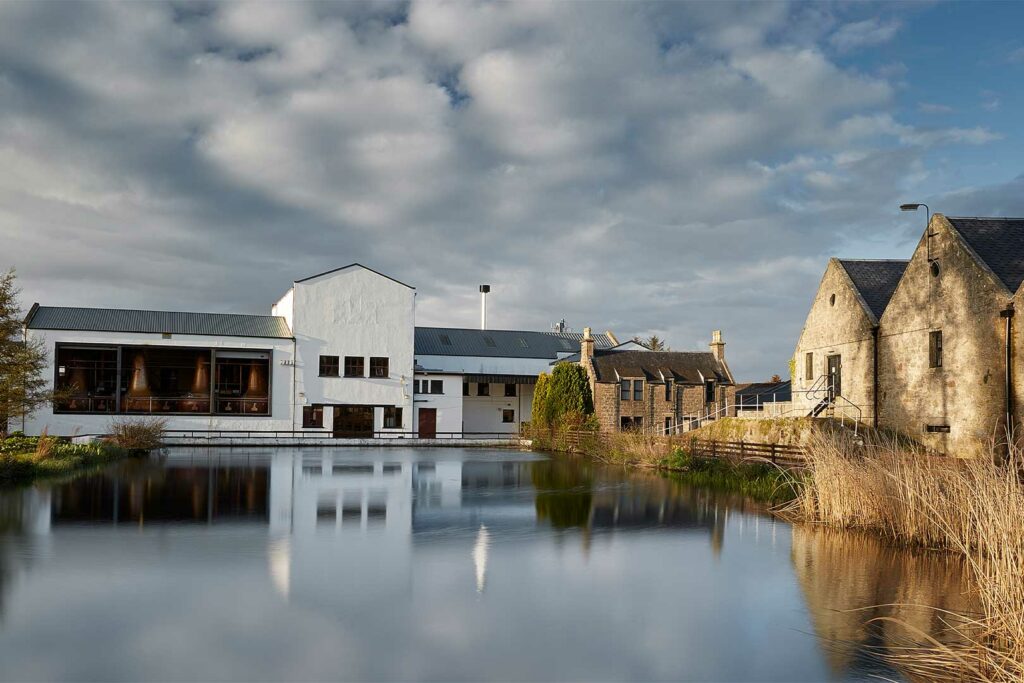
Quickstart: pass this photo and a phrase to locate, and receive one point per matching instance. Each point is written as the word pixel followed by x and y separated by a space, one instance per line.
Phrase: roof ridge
pixel 153 310
pixel 873 260
pixel 986 218
pixel 477 329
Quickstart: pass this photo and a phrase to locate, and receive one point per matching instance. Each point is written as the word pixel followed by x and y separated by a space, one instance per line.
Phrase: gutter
pixel 874 370
pixel 1008 350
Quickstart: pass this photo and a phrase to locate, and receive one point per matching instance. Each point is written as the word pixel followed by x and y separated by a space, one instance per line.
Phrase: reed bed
pixel 974 508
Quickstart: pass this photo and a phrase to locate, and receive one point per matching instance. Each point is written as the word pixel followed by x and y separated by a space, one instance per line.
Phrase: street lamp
pixel 927 225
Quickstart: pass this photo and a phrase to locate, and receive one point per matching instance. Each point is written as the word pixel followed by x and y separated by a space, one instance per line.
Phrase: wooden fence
pixel 584 441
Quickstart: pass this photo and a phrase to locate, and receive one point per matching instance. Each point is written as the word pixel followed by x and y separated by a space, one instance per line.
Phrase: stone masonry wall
pixel 836 327
pixel 967 392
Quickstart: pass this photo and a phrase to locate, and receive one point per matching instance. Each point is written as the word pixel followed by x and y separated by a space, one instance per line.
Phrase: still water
pixel 432 564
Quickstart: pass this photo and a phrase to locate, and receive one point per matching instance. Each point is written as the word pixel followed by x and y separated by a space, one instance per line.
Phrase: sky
pixel 648 168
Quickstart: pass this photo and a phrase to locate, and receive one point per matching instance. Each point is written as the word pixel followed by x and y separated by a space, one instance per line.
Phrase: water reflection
pixel 391 564
pixel 865 595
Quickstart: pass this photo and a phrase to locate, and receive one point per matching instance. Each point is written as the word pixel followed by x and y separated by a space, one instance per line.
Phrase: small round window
pixel 935 268
pixel 832 300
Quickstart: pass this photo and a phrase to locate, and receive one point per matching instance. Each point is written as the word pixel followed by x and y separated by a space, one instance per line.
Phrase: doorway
pixel 353 422
pixel 835 376
pixel 427 423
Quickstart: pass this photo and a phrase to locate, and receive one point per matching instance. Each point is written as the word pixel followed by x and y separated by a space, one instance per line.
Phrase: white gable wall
pixel 354 312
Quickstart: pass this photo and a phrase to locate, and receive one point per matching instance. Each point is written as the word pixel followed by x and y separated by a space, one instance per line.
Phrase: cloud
pixel 1016 56
pixel 672 167
pixel 933 108
pixel 859 34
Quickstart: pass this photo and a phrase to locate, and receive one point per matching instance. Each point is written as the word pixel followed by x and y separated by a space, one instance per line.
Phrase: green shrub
pixel 138 434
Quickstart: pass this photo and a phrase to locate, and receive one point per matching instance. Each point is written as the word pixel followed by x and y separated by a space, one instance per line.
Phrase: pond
pixel 434 564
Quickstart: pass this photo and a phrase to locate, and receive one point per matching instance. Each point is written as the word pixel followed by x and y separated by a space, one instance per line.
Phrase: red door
pixel 428 423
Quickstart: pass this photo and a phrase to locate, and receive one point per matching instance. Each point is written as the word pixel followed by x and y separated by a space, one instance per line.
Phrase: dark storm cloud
pixel 666 168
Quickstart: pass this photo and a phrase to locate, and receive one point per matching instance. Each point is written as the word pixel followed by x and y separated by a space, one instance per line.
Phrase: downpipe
pixel 1007 315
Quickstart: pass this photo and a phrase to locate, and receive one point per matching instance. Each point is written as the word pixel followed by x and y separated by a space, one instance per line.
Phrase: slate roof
pixel 688 367
pixel 757 393
pixel 876 281
pixel 454 341
pixel 998 242
pixel 174 322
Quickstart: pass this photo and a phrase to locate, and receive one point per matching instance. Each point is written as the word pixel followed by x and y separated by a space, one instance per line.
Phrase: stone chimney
pixel 717 345
pixel 587 354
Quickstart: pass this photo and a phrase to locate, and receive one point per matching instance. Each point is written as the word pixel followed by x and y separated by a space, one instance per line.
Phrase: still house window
pixel 378 367
pixel 808 366
pixel 624 390
pixel 329 366
pixel 935 349
pixel 709 391
pixel 508 416
pixel 510 389
pixel 436 386
pixel 312 417
pixel 668 389
pixel 354 366
pixel 483 389
pixel 638 390
pixel 392 417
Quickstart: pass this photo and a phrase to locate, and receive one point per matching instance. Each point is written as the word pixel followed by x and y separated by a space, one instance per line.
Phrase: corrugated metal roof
pixel 173 322
pixel 453 341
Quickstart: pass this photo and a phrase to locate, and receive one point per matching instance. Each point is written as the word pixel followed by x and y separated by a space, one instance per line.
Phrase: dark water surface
pixel 436 564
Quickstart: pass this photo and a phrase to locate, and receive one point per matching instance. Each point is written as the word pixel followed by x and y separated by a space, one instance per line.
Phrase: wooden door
pixel 835 375
pixel 427 423
pixel 353 422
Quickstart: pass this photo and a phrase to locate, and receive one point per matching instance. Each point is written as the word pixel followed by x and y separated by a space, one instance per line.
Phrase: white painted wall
pixel 354 312
pixel 285 308
pixel 484 413
pixel 69 424
pixel 448 404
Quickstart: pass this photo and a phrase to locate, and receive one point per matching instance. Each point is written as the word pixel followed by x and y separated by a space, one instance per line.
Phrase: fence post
pixel 773 453
pixel 742 451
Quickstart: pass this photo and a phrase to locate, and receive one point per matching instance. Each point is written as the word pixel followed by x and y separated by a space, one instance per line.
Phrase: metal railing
pixel 257 435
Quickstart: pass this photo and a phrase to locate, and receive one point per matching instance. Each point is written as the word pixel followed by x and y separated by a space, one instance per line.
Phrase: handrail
pixel 310 434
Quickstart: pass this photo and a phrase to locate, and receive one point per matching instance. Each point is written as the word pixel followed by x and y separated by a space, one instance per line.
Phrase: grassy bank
pixel 974 508
pixel 761 481
pixel 26 458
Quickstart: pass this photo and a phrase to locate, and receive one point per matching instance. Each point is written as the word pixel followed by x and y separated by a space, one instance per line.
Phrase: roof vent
pixel 489 341
pixel 446 340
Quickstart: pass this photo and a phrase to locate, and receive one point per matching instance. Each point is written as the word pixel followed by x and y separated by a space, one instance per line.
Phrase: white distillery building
pixel 340 355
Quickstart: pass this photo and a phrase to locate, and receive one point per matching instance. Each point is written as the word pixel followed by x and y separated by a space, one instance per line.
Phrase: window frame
pixel 483 388
pixel 638 390
pixel 310 419
pixel 625 390
pixel 710 391
pixel 392 415
pixel 376 371
pixel 809 366
pixel 511 393
pixel 508 413
pixel 437 384
pixel 935 349
pixel 668 389
pixel 362 366
pixel 337 366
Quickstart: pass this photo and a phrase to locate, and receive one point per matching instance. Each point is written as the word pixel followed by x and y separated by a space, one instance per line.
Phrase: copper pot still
pixel 139 385
pixel 201 378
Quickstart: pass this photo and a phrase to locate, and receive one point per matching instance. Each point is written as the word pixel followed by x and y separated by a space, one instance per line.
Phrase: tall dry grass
pixel 971 507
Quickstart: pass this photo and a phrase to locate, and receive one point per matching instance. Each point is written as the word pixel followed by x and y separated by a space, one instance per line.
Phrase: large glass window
pixel 162 379
pixel 86 380
pixel 392 417
pixel 242 385
pixel 165 379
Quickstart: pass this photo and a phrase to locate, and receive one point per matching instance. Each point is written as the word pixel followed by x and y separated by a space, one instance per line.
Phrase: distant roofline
pixel 353 265
pixel 36 307
pixel 477 329
pixel 982 218
pixel 31 325
pixel 873 260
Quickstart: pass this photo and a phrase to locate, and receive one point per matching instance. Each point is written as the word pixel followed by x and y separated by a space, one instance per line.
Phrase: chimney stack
pixel 587 355
pixel 484 289
pixel 717 345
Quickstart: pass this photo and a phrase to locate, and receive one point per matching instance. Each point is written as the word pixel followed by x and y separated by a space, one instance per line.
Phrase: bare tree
pixel 22 386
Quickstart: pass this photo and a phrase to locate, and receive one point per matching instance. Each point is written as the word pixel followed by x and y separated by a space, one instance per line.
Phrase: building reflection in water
pixel 850 580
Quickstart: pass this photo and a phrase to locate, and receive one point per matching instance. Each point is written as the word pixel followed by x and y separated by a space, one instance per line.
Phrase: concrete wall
pixel 68 424
pixel 448 404
pixel 967 392
pixel 842 328
pixel 483 414
pixel 355 312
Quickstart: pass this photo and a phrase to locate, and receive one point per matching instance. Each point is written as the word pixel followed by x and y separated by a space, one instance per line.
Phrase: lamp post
pixel 927 224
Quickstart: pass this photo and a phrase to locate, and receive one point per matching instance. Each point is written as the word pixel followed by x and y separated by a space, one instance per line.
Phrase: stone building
pixel 940 361
pixel 836 350
pixel 657 391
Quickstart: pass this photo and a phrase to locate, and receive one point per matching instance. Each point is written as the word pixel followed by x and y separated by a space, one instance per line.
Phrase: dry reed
pixel 971 507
